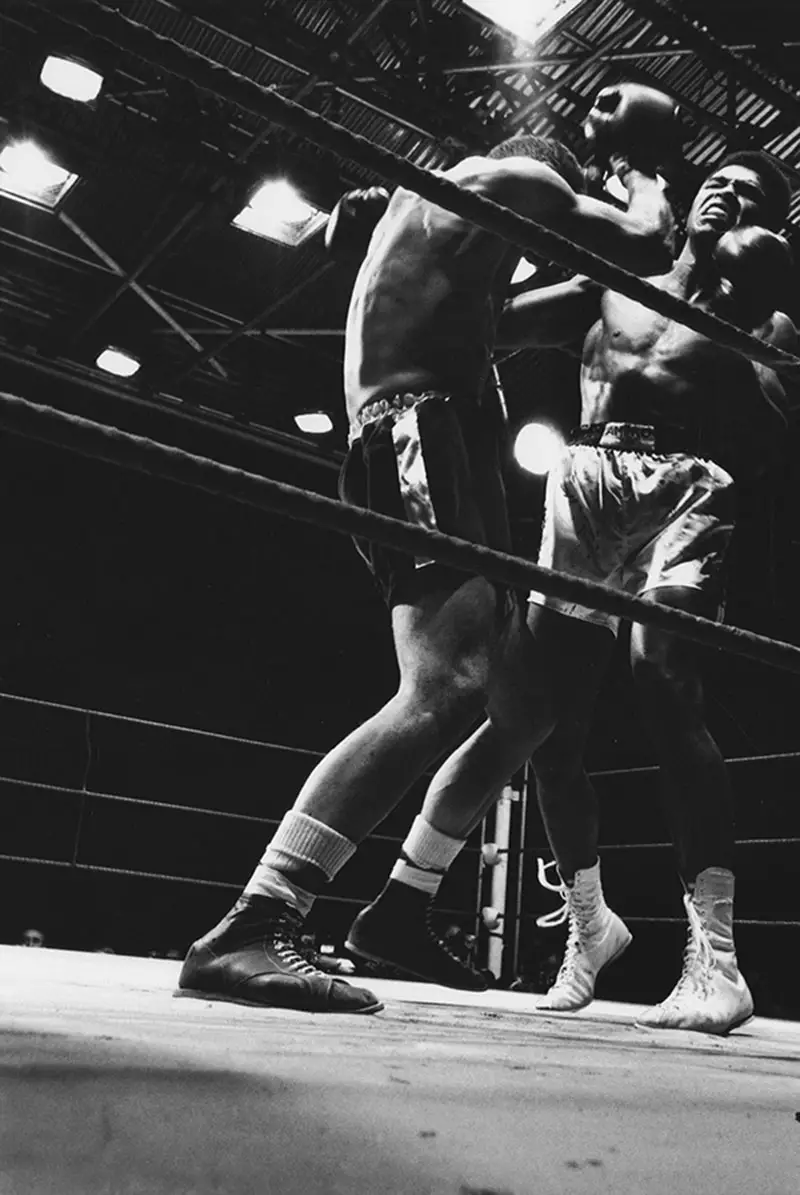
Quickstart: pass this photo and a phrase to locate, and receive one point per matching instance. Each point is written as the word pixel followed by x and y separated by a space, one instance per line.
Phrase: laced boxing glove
pixel 755 271
pixel 632 125
pixel 352 222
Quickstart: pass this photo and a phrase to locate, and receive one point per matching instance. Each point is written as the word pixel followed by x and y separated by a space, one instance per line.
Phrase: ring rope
pixel 323 898
pixel 170 805
pixel 109 25
pixel 233 738
pixel 192 730
pixel 143 455
pixel 772 757
pixel 763 923
pixel 273 821
pixel 662 846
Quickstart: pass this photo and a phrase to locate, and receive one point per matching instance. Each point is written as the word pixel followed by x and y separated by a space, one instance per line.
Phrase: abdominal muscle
pixel 670 379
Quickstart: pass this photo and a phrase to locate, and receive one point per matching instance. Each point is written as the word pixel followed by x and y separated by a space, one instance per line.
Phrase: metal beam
pixel 226 322
pixel 225 426
pixel 129 278
pixel 250 326
pixel 549 60
pixel 732 133
pixel 144 295
pixel 555 85
pixel 693 33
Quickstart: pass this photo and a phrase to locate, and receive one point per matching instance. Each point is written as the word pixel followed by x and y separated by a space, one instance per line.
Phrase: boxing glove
pixel 352 223
pixel 637 124
pixel 754 267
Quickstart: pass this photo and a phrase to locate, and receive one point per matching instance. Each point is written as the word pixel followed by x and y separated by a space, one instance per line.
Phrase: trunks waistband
pixel 638 437
pixel 389 404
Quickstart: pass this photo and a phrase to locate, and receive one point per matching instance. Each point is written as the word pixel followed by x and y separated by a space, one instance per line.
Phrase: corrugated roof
pixel 165 167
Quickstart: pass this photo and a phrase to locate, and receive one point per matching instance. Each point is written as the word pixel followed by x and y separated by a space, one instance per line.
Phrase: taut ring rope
pixel 143 455
pixel 109 25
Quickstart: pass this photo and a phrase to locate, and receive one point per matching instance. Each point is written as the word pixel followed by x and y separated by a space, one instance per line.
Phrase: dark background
pixel 124 593
pixel 133 595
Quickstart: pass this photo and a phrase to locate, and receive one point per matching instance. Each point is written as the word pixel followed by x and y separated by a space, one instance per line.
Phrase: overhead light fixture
pixel 525 270
pixel 279 212
pixel 71 79
pixel 314 423
pixel 537 448
pixel 528 21
pixel 30 176
pixel 118 362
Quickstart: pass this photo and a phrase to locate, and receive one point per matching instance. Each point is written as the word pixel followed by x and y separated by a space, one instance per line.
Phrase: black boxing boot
pixel 253 957
pixel 396 930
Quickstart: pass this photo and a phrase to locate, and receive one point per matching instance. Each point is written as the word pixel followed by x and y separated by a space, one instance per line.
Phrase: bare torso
pixel 426 301
pixel 640 367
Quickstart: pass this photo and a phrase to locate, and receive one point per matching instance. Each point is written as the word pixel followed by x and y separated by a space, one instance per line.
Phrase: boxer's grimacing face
pixel 731 197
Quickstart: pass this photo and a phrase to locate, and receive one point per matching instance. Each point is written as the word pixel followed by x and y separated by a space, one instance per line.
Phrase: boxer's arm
pixel 754 272
pixel 781 332
pixel 550 316
pixel 639 239
pixel 761 397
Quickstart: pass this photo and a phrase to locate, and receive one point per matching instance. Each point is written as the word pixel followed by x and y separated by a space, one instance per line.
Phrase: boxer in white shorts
pixel 622 514
pixel 643 500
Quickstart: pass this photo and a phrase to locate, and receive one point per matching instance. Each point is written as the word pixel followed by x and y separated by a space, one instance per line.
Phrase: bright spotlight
pixel 314 423
pixel 29 175
pixel 71 79
pixel 527 21
pixel 278 212
pixel 537 448
pixel 118 362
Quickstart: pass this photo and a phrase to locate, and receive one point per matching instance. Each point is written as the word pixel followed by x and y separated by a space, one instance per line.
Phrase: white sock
pixel 266 881
pixel 300 840
pixel 426 855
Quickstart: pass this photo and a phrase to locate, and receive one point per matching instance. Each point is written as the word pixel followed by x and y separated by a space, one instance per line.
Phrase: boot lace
pixel 284 930
pixel 575 911
pixel 557 916
pixel 438 942
pixel 577 906
pixel 698 957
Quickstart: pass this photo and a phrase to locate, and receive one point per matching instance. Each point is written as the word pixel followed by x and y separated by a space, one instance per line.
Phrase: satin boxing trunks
pixel 431 460
pixel 626 507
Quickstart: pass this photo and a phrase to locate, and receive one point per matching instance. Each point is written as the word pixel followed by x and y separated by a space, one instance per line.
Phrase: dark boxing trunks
pixel 430 460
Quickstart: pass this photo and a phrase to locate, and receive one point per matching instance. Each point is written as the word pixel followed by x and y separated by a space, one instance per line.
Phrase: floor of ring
pixel 109 1085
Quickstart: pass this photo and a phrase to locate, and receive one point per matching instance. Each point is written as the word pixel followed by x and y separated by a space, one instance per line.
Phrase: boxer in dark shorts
pixel 421 323
pixel 434 461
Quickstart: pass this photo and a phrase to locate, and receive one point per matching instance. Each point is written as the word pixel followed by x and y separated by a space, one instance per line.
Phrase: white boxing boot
pixel 596 937
pixel 711 995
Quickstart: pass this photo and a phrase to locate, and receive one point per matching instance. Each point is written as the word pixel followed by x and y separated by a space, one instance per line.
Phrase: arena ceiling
pixel 236 332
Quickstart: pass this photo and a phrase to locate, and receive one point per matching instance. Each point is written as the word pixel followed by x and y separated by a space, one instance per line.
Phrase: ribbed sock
pixel 425 857
pixel 300 842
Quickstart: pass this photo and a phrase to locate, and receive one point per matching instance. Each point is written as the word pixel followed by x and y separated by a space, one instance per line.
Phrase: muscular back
pixel 425 303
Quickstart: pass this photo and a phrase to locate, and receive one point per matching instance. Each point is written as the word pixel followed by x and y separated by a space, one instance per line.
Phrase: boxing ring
pixel 111 1086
